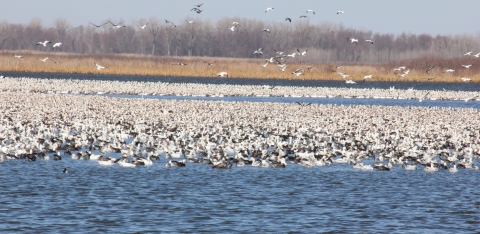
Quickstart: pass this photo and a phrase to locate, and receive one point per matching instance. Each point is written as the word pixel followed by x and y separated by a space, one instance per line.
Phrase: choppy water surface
pixel 36 197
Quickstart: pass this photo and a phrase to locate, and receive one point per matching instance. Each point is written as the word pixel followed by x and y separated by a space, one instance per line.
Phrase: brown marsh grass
pixel 145 65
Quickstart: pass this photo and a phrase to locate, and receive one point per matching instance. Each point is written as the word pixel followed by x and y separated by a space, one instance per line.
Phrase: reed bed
pixel 145 65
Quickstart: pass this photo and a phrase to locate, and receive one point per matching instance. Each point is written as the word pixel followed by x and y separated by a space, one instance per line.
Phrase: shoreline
pixel 198 67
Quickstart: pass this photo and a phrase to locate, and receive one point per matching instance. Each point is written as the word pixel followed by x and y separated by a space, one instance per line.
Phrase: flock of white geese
pixel 130 132
pixel 72 86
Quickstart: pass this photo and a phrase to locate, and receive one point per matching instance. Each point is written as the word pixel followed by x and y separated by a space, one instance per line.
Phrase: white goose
pixel 222 74
pixel 44 43
pixel 269 9
pixel 143 26
pixel 352 40
pixel 99 67
pixel 58 44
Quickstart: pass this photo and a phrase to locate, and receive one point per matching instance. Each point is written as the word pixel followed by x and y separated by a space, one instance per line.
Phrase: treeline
pixel 325 42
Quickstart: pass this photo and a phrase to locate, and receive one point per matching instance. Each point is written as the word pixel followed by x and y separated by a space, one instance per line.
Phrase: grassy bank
pixel 145 65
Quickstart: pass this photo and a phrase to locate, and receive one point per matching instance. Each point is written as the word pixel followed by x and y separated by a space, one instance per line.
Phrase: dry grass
pixel 144 65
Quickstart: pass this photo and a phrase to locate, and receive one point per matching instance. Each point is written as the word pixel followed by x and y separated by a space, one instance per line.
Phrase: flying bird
pixel 352 40
pixel 465 79
pixel 222 74
pixel 58 44
pixel 369 41
pixel 99 67
pixel 302 53
pixel 429 69
pixel 310 11
pixel 303 16
pixel 116 25
pixel 180 64
pixel 367 77
pixel 303 104
pixel 143 26
pixel 340 12
pixel 449 70
pixel 17 56
pixel 468 53
pixel 288 19
pixel 259 51
pixel 467 66
pixel 266 30
pixel 199 5
pixel 44 60
pixel 268 9
pixel 210 64
pixel 98 26
pixel 44 43
pixel 54 61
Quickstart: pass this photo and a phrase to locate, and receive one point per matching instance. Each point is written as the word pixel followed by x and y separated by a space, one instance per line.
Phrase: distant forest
pixel 325 42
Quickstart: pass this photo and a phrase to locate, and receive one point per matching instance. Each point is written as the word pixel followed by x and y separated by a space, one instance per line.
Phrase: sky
pixel 434 17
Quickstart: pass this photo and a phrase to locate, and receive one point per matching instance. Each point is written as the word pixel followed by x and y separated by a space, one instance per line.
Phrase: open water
pixel 36 197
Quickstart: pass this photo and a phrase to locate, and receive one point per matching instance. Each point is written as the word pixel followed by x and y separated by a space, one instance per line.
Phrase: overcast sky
pixel 446 17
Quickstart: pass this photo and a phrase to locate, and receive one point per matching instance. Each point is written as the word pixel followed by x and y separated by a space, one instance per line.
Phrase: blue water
pixel 37 197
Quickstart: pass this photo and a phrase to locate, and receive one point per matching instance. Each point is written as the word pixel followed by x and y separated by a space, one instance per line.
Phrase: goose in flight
pixel 99 67
pixel 423 98
pixel 302 53
pixel 310 68
pixel 449 70
pixel 303 16
pixel 465 79
pixel 54 61
pixel 429 69
pixel 298 72
pixel 288 19
pixel 399 68
pixel 467 66
pixel 477 55
pixel 344 76
pixel 259 51
pixel 44 43
pixel 350 82
pixel 292 55
pixel 210 64
pixel 222 74
pixel 235 23
pixel 199 5
pixel 44 60
pixel 233 28
pixel 283 68
pixel 269 9
pixel 58 44
pixel 116 25
pixel 190 21
pixel 266 30
pixel 303 104
pixel 310 11
pixel 98 26
pixel 17 56
pixel 367 77
pixel 352 40
pixel 167 21
pixel 143 26
pixel 468 53
pixel 196 10
pixel 369 41
pixel 340 12
pixel 180 64
pixel 265 65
